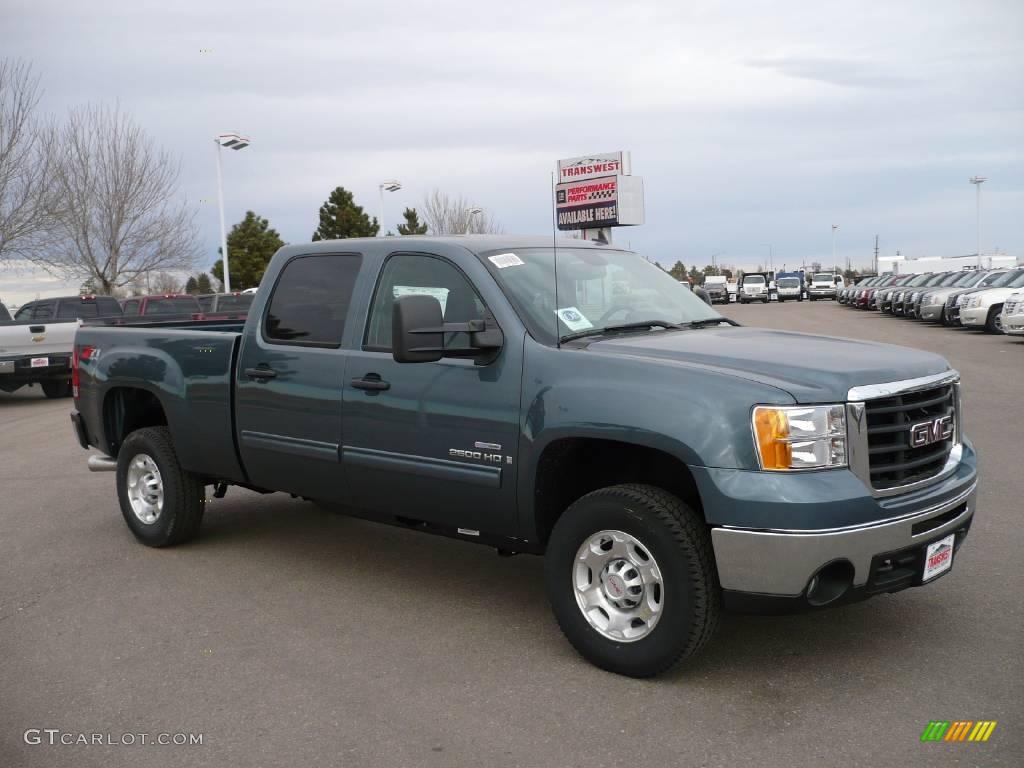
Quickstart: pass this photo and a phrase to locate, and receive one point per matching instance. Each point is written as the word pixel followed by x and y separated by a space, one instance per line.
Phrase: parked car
pixel 665 461
pixel 955 302
pixel 164 306
pixel 932 304
pixel 868 296
pixel 905 294
pixel 35 347
pixel 983 308
pixel 790 287
pixel 887 292
pixel 1013 315
pixel 822 285
pixel 717 288
pixel 847 294
pixel 754 287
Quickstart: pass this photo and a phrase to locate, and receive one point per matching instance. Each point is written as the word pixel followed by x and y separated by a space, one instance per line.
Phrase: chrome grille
pixel 892 461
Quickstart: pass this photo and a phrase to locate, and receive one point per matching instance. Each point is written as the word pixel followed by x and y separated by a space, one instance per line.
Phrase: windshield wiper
pixel 706 322
pixel 640 325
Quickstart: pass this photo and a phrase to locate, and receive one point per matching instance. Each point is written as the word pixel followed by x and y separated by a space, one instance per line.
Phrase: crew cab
pixel 35 347
pixel 164 305
pixel 571 400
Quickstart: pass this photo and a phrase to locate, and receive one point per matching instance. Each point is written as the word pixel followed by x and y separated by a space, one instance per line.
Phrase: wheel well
pixel 125 410
pixel 573 467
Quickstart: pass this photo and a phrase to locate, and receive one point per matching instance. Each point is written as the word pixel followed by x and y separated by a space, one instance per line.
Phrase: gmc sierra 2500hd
pixel 666 461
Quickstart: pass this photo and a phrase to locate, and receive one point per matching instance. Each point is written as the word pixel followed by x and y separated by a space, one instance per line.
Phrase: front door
pixel 432 441
pixel 289 379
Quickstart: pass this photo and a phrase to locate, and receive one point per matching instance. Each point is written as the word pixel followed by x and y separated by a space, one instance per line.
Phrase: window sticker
pixel 441 294
pixel 503 260
pixel 574 319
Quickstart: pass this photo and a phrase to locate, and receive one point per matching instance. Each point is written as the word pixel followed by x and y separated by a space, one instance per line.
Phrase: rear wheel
pixel 631 578
pixel 161 502
pixel 56 389
pixel 994 322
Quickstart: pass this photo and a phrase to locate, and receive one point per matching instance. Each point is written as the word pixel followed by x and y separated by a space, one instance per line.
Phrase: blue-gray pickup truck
pixel 560 398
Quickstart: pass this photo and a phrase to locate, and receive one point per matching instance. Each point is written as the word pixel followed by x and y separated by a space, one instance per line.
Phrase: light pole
pixel 389 186
pixel 231 141
pixel 771 257
pixel 470 213
pixel 977 181
pixel 714 264
pixel 834 228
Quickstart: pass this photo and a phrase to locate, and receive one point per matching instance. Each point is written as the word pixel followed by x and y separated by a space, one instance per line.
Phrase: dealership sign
pixel 604 201
pixel 593 166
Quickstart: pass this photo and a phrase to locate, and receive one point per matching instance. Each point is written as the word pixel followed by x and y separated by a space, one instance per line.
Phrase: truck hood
pixel 811 368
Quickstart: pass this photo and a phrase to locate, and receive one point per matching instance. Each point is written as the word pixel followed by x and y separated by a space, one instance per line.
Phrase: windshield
pixel 597 288
pixel 754 279
pixel 789 282
pixel 822 277
pixel 172 306
pixel 1005 279
pixel 231 301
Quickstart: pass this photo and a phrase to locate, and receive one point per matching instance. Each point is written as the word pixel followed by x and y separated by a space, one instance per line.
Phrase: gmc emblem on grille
pixel 928 432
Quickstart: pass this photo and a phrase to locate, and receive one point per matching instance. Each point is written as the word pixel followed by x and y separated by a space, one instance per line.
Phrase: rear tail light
pixel 198 316
pixel 78 355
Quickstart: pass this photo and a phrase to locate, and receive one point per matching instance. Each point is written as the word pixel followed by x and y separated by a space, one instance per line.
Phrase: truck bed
pixel 187 365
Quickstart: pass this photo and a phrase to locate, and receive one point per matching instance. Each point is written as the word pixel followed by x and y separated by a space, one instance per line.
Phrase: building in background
pixel 902 265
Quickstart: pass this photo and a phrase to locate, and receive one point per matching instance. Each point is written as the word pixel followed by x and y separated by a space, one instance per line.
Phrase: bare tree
pixel 447 215
pixel 165 282
pixel 117 213
pixel 24 209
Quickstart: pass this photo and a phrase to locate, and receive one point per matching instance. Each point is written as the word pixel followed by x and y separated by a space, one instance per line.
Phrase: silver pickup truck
pixel 35 347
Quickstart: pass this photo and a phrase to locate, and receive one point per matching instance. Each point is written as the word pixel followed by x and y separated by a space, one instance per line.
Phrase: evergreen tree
pixel 251 243
pixel 190 286
pixel 412 224
pixel 678 271
pixel 695 275
pixel 340 217
pixel 203 283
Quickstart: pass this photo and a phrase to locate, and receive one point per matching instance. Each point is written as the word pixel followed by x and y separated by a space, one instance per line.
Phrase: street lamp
pixel 228 141
pixel 714 264
pixel 386 186
pixel 834 228
pixel 470 213
pixel 977 181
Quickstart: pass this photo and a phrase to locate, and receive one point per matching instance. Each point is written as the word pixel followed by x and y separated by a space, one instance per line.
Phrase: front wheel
pixel 631 578
pixel 994 321
pixel 161 502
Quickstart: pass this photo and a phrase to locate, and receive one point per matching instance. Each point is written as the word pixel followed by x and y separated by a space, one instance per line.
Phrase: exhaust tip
pixel 101 464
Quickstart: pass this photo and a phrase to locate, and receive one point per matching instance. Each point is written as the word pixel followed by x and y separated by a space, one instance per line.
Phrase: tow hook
pixel 220 490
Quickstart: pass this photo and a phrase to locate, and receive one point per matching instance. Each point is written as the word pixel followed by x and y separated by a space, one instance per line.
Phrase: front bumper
pixel 931 311
pixel 1013 324
pixel 773 532
pixel 974 317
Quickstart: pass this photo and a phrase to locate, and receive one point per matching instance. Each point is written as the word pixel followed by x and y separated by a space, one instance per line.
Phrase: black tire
pixel 765 301
pixel 800 298
pixel 56 389
pixel 677 538
pixel 993 323
pixel 183 492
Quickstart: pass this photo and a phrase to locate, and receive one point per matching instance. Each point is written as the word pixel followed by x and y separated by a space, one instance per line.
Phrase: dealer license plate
pixel 39 362
pixel 938 558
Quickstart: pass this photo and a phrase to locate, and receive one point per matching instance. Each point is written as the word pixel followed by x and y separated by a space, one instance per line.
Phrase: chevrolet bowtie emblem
pixel 39 338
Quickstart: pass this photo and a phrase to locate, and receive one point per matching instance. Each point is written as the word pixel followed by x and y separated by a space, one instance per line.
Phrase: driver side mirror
pixel 418 329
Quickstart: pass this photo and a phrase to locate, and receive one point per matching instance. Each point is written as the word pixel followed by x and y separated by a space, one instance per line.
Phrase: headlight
pixel 800 436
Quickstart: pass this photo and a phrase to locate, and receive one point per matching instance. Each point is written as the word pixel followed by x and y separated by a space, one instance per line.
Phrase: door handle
pixel 371 382
pixel 261 373
pixel 37 329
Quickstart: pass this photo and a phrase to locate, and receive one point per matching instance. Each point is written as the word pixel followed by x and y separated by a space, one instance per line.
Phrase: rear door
pixel 289 378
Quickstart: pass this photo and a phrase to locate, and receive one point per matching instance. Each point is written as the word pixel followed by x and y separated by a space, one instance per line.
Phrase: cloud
pixel 846 73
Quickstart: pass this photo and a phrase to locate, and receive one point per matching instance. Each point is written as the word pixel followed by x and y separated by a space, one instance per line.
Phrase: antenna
pixel 554 257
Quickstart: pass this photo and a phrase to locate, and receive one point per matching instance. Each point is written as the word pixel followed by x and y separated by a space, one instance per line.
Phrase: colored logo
pixel 958 730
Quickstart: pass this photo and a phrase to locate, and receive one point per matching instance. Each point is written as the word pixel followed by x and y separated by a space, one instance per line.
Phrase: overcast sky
pixel 752 123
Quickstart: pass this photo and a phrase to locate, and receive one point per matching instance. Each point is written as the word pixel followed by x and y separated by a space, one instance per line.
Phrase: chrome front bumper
pixel 780 562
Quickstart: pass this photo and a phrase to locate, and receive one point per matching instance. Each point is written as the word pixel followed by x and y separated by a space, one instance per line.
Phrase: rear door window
pixel 77 310
pixel 131 307
pixel 43 310
pixel 311 300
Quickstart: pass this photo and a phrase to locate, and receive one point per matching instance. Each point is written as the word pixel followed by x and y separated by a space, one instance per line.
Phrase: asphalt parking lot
pixel 289 636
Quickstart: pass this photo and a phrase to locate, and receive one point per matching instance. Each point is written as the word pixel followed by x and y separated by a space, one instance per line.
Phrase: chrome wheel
pixel 145 488
pixel 618 586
